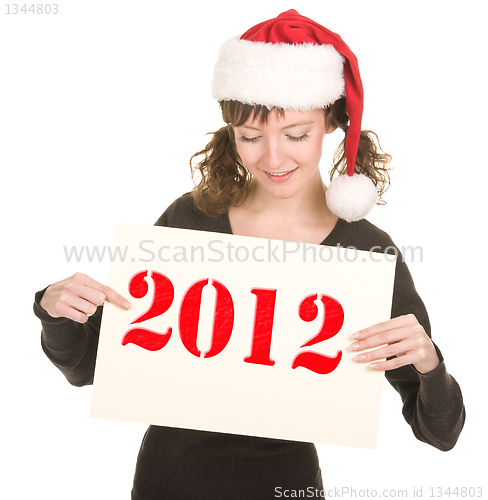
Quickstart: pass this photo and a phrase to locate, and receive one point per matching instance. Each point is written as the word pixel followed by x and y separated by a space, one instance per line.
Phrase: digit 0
pixel 190 313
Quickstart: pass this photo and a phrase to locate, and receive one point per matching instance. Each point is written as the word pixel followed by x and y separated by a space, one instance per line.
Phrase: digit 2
pixel 331 325
pixel 162 299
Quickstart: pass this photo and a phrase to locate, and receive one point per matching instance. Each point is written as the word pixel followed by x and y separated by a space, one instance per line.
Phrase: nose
pixel 274 154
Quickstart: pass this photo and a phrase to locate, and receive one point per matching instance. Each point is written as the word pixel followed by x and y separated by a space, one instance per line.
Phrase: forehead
pixel 282 118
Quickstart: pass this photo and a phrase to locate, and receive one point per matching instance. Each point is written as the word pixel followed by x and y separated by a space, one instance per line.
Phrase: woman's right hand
pixel 78 297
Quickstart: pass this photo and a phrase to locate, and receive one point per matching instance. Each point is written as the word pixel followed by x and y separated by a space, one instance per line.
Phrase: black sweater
pixel 186 464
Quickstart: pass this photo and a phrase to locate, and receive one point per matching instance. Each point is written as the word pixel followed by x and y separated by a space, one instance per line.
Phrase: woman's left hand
pixel 405 339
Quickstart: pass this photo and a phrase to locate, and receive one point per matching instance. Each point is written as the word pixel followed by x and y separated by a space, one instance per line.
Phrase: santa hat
pixel 292 62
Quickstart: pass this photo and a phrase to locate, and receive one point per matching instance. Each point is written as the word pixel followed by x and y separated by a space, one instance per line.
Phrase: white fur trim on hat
pixel 351 198
pixel 301 77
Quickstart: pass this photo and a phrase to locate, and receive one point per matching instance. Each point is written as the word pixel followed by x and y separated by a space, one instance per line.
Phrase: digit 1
pixel 263 327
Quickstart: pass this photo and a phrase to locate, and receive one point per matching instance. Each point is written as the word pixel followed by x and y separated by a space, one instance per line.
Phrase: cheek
pixel 313 153
pixel 241 151
pixel 248 154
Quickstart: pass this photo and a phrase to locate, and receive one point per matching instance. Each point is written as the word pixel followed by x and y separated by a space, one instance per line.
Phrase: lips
pixel 280 176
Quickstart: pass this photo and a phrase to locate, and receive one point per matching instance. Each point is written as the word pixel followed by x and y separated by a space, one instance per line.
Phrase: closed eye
pixel 303 137
pixel 248 139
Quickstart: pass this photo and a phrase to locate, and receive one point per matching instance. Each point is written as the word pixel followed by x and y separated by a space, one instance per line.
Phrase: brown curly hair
pixel 371 160
pixel 224 180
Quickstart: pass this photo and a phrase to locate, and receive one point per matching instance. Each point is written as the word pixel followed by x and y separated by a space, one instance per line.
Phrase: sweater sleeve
pixel 432 402
pixel 71 346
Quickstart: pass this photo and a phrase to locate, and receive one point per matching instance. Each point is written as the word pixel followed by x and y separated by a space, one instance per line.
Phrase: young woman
pixel 282 86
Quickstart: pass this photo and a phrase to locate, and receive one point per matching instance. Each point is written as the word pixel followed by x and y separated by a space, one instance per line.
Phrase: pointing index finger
pixel 115 298
pixel 110 294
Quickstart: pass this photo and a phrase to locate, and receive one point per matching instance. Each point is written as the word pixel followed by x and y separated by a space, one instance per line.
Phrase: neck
pixel 301 206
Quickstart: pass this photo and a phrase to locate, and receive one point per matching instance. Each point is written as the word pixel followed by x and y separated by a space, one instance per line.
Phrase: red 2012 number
pixel 223 324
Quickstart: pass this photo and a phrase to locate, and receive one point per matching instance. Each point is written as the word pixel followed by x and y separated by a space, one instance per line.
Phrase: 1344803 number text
pixel 35 8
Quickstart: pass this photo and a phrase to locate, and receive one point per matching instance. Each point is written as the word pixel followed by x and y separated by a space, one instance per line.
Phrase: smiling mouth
pixel 280 174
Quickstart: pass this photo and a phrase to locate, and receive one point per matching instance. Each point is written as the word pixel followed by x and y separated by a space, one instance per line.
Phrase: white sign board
pixel 241 335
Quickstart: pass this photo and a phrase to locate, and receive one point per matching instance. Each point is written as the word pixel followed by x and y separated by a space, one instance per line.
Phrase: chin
pixel 283 193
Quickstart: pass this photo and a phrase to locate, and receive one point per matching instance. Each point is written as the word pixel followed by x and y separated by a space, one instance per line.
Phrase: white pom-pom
pixel 351 198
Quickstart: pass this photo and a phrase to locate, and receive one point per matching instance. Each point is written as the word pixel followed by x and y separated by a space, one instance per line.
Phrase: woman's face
pixel 283 154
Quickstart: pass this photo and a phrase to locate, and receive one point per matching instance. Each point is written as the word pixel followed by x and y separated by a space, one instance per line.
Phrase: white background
pixel 101 107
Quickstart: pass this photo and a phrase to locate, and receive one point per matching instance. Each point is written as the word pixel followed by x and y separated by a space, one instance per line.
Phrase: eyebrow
pixel 297 124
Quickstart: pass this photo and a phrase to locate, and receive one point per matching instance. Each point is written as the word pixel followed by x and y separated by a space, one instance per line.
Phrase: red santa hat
pixel 292 62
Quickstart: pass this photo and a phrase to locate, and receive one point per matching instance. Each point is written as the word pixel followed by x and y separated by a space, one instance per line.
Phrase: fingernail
pixel 373 366
pixel 356 335
pixel 354 346
pixel 360 357
pixel 126 305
